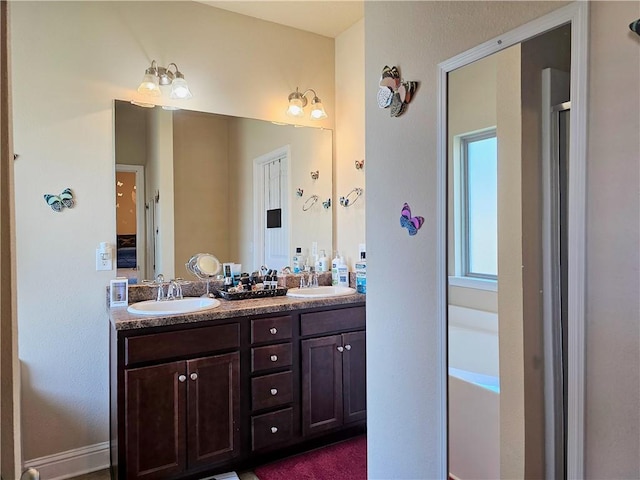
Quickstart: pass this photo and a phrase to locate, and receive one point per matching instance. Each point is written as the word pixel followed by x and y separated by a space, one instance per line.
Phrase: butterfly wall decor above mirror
pixel 58 202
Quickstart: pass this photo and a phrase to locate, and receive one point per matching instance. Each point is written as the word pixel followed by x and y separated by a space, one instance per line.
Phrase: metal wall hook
pixel 351 197
pixel 309 202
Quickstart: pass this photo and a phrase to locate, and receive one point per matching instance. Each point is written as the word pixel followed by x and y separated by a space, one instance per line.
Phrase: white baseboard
pixel 72 462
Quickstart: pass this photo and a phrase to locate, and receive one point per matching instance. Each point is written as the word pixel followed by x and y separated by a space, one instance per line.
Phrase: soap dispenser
pixel 334 269
pixel 361 271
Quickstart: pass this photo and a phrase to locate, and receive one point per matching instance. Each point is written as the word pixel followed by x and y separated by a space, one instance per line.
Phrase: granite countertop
pixel 123 320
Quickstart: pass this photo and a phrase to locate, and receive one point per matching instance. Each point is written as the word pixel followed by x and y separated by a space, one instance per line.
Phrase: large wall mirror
pixel 511 204
pixel 241 189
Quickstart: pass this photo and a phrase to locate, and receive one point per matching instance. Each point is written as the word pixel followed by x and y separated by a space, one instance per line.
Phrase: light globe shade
pixel 295 108
pixel 317 110
pixel 149 85
pixel 180 89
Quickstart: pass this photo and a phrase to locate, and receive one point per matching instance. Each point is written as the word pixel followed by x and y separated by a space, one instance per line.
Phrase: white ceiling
pixel 327 18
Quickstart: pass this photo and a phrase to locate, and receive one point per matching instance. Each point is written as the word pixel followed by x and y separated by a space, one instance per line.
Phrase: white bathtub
pixel 474 425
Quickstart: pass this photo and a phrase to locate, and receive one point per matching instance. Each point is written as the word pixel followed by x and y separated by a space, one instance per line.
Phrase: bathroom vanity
pixel 233 387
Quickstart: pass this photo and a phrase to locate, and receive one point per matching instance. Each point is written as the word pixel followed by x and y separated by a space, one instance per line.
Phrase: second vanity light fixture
pixel 297 102
pixel 155 75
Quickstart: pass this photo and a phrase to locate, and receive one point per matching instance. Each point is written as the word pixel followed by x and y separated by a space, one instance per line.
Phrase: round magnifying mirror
pixel 207 264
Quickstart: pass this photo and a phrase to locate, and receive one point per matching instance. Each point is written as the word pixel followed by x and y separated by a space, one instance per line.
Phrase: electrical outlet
pixel 103 261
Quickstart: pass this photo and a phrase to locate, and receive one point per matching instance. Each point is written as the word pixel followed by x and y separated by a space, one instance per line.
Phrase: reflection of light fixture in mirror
pixel 297 102
pixel 155 75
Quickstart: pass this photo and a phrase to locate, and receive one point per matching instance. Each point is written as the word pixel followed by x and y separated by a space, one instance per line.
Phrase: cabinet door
pixel 354 362
pixel 321 384
pixel 155 427
pixel 214 409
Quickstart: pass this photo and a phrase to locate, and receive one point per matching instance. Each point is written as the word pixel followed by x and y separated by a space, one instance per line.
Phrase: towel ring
pixel 306 206
pixel 351 197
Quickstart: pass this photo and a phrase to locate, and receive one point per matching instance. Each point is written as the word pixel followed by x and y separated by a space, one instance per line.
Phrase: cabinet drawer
pixel 194 341
pixel 318 323
pixel 270 329
pixel 271 429
pixel 271 356
pixel 271 390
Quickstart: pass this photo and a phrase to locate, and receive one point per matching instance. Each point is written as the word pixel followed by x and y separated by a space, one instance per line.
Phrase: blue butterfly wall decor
pixel 412 224
pixel 58 202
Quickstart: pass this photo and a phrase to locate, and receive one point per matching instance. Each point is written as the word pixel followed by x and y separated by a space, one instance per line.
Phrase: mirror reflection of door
pixel 271 191
pixel 130 221
pixel 506 379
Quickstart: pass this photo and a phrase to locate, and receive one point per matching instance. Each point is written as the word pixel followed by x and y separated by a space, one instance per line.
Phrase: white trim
pixel 141 217
pixel 72 462
pixel 577 14
pixel 475 283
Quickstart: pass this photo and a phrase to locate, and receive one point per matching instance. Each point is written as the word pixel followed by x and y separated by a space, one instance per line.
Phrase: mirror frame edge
pixel 576 14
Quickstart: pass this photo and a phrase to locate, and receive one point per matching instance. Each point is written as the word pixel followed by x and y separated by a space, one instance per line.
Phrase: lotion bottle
pixel 298 261
pixel 334 269
pixel 343 273
pixel 323 262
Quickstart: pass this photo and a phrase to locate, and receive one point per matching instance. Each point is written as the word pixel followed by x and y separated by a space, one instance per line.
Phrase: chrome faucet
pixel 309 279
pixel 174 292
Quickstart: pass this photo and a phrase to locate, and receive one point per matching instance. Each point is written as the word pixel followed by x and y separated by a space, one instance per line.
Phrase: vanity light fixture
pixel 155 76
pixel 297 102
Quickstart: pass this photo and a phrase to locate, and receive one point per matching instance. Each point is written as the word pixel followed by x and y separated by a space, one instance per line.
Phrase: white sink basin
pixel 170 307
pixel 320 292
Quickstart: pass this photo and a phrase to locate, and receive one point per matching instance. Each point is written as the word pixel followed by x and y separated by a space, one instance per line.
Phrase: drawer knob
pixel 340 348
pixel 182 378
pixel 274 358
pixel 273 330
pixel 347 347
pixel 274 429
pixel 274 391
pixel 194 376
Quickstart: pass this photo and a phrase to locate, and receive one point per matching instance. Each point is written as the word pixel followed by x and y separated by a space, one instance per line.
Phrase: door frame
pixel 576 14
pixel 140 217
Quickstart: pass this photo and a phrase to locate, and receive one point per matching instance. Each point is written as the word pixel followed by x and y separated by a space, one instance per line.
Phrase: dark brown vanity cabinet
pixel 333 370
pixel 183 415
pixel 192 400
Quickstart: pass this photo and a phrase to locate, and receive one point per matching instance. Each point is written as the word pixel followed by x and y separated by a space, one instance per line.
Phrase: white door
pixel 271 190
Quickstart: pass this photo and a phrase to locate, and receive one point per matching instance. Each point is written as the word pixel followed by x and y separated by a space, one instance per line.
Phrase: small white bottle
pixel 343 273
pixel 334 269
pixel 323 262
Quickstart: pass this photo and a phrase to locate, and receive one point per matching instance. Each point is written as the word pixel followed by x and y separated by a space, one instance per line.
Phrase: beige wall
pixel 349 222
pixel 91 53
pixel 612 313
pixel 200 177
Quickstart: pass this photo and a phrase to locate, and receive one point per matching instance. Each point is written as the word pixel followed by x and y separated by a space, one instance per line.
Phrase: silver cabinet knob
pixel 182 378
pixel 347 347
pixel 340 349
pixel 273 330
pixel 194 376
pixel 274 391
pixel 274 358
pixel 274 429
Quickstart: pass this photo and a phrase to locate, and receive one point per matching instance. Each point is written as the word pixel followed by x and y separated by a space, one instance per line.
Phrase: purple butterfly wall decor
pixel 412 224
